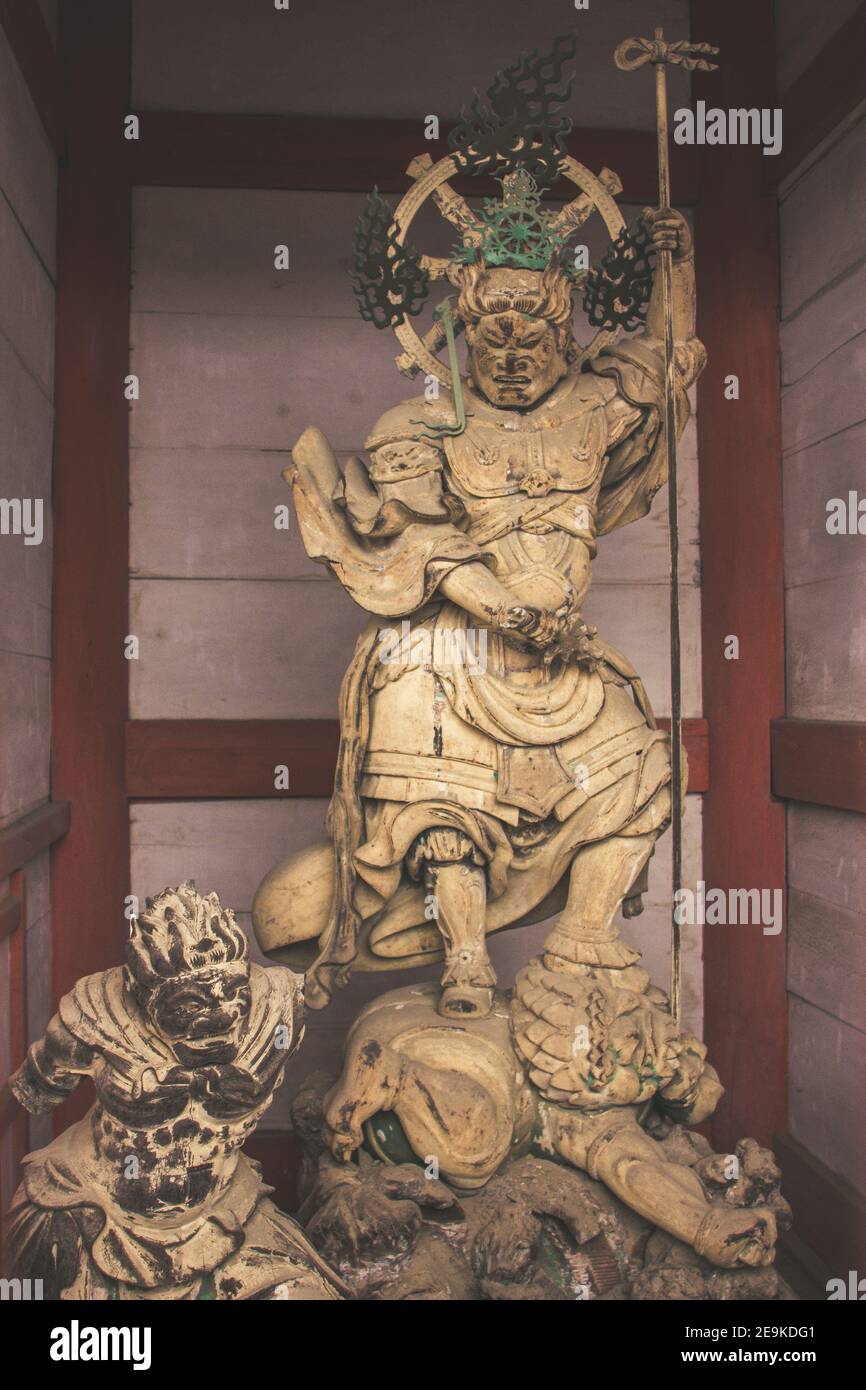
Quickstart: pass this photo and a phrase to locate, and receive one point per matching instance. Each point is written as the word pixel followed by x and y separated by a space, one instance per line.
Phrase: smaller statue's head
pixel 518 330
pixel 188 968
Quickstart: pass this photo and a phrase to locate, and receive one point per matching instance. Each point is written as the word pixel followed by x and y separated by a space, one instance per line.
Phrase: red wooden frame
pixel 820 761
pixel 182 759
pixel 90 867
pixel 191 149
pixel 740 459
pixel 31 834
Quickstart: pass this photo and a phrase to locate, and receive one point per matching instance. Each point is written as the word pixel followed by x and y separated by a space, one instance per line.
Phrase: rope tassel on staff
pixel 634 53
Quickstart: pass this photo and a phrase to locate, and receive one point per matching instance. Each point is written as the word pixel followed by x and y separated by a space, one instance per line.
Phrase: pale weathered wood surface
pixel 827 1073
pixel 241 382
pixel 25 697
pixel 211 649
pixel 823 338
pixel 821 220
pixel 28 170
pixel 825 853
pixel 832 319
pixel 28 179
pixel 27 300
pixel 826 964
pixel 829 469
pixel 827 649
pixel 828 399
pixel 823 238
pixel 26 423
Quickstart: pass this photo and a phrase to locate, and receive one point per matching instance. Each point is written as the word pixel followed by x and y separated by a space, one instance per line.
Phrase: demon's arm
pixel 52 1068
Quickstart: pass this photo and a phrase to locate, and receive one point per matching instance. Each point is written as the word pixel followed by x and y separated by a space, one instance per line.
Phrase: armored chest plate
pixel 551 451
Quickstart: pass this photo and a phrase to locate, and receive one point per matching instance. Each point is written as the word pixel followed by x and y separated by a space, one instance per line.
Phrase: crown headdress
pixel 181 932
pixel 517 135
pixel 513 232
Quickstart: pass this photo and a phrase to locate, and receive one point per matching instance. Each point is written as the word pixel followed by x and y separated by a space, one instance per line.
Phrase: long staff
pixel 633 53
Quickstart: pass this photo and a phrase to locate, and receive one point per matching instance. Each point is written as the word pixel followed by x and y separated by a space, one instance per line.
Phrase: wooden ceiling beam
pixel 190 149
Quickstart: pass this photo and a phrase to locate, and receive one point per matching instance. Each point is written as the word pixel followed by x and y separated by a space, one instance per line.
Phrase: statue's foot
pixel 731 1236
pixel 468 983
pixel 465 1001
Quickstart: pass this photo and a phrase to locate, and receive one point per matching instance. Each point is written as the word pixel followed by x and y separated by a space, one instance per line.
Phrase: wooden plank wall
pixel 28 182
pixel 822 211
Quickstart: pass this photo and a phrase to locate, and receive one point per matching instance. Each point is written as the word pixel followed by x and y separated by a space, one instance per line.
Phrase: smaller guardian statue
pixel 149 1195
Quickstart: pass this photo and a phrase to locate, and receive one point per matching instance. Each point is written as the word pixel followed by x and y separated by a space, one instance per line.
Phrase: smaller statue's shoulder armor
pixel 96 1012
pixel 276 1001
pixel 99 1014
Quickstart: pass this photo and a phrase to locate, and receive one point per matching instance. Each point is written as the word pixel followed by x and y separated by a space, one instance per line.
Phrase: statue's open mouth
pixel 207 1041
pixel 513 380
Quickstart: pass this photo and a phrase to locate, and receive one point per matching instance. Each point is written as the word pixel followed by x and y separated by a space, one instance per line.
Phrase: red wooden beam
pixel 190 758
pixel 11 914
pixel 187 759
pixel 739 453
pixel 822 96
pixel 30 41
pixel 31 834
pixel 91 498
pixel 820 761
pixel 334 154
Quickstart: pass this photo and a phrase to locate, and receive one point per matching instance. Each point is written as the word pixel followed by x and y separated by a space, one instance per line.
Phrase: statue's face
pixel 514 358
pixel 203 1014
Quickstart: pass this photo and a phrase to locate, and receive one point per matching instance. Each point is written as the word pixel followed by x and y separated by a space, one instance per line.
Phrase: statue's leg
pixel 601 876
pixel 613 1148
pixel 457 886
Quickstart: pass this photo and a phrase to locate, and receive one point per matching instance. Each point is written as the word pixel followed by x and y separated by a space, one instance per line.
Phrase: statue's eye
pixel 529 337
pixel 188 1003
